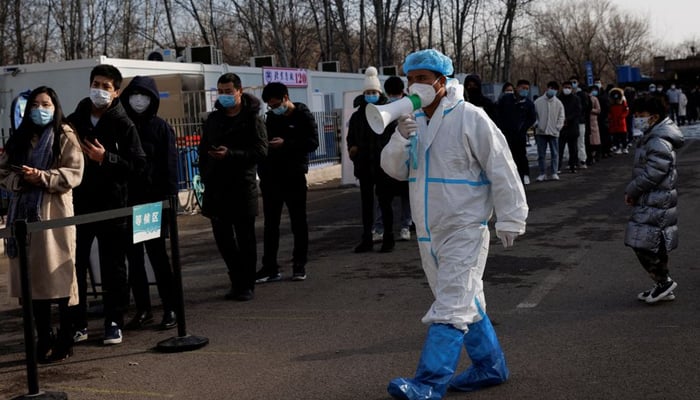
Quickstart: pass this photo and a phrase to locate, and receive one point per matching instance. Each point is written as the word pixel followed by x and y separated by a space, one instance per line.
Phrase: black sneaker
pixel 299 273
pixel 240 295
pixel 661 290
pixel 266 275
pixel 643 295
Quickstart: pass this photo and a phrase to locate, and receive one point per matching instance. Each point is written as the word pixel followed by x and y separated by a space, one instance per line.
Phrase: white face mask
pixel 641 123
pixel 100 98
pixel 139 102
pixel 566 91
pixel 425 91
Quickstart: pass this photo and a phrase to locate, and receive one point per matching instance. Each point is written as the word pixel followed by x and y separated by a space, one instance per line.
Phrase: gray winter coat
pixel 653 188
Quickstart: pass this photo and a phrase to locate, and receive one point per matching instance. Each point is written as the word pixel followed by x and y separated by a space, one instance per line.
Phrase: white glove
pixel 407 125
pixel 507 238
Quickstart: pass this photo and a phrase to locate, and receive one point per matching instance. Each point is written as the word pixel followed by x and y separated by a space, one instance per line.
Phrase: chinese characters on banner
pixel 147 221
pixel 292 77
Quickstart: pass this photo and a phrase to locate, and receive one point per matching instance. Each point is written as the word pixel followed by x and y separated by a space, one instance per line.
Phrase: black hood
pixel 145 85
pixel 473 78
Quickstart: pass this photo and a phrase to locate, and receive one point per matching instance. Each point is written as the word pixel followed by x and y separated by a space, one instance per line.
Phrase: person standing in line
pixel 583 128
pixel 568 137
pixel 233 142
pixel 673 95
pixel 604 100
pixel 158 182
pixel 473 90
pixel 364 149
pixel 617 121
pixel 293 134
pixel 394 89
pixel 652 230
pixel 550 120
pixel 516 114
pixel 40 166
pixel 459 170
pixel 682 107
pixel 594 135
pixel 113 155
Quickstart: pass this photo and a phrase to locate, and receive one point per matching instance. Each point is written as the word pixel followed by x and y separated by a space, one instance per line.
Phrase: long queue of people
pixel 577 124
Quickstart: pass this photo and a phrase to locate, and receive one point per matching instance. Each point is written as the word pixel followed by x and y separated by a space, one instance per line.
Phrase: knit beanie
pixel 371 80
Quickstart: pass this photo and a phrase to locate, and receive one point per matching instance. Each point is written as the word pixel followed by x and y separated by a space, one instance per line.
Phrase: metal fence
pixel 188 130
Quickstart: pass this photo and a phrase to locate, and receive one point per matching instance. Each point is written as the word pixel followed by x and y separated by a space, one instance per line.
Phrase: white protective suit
pixel 464 171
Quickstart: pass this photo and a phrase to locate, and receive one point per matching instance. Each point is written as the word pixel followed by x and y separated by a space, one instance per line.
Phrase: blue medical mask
pixel 227 100
pixel 42 116
pixel 524 92
pixel 551 93
pixel 574 85
pixel 594 92
pixel 371 98
pixel 279 110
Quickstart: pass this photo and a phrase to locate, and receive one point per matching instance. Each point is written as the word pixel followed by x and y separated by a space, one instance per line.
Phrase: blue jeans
pixel 542 142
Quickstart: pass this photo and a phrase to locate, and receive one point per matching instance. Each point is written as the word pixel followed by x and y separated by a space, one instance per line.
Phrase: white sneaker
pixel 625 151
pixel 555 177
pixel 617 151
pixel 377 237
pixel 541 177
pixel 405 234
pixel 526 180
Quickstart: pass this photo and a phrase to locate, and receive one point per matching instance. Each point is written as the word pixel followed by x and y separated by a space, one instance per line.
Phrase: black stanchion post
pixel 182 342
pixel 20 233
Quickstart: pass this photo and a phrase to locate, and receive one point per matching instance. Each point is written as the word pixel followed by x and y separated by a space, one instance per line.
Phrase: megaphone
pixel 379 117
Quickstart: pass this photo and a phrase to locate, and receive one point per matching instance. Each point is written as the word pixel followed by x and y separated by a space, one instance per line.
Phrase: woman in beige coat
pixel 41 165
pixel 595 132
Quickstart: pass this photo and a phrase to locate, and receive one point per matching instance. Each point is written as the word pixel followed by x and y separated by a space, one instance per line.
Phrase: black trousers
pixel 518 148
pixel 238 247
pixel 568 137
pixel 656 264
pixel 112 236
pixel 275 195
pixel 138 280
pixel 385 190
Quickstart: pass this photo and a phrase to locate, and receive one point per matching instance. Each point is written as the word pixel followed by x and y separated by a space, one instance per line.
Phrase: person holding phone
pixel 40 166
pixel 113 154
pixel 233 142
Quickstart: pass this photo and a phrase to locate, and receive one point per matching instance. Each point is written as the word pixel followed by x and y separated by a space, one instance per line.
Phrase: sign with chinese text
pixel 147 221
pixel 292 77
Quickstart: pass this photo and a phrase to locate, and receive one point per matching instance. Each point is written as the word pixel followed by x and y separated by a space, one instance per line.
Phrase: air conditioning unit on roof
pixel 162 55
pixel 204 55
pixel 329 66
pixel 263 61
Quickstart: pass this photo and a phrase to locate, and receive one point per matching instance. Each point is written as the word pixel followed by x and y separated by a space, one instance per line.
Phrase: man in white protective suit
pixel 460 171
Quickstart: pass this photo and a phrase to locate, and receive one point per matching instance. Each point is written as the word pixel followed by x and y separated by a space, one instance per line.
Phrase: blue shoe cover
pixel 436 367
pixel 488 362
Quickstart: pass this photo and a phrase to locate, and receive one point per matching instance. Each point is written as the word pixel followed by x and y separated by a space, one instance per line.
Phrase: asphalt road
pixel 563 302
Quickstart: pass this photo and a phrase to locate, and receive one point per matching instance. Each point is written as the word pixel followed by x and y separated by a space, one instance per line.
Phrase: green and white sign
pixel 147 221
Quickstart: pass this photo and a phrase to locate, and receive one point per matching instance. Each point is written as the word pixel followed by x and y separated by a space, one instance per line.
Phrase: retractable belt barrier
pixel 21 228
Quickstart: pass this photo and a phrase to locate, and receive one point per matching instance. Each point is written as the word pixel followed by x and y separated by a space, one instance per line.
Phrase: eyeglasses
pixel 271 106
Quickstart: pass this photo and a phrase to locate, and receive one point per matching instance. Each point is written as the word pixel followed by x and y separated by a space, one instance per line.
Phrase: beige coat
pixel 51 252
pixel 595 130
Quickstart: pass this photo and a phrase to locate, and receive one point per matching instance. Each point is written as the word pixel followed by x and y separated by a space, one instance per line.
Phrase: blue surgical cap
pixel 430 59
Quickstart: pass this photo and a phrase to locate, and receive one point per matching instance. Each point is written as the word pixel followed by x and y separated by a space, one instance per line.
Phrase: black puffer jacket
pixel 653 187
pixel 159 178
pixel 104 187
pixel 369 145
pixel 300 134
pixel 230 183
